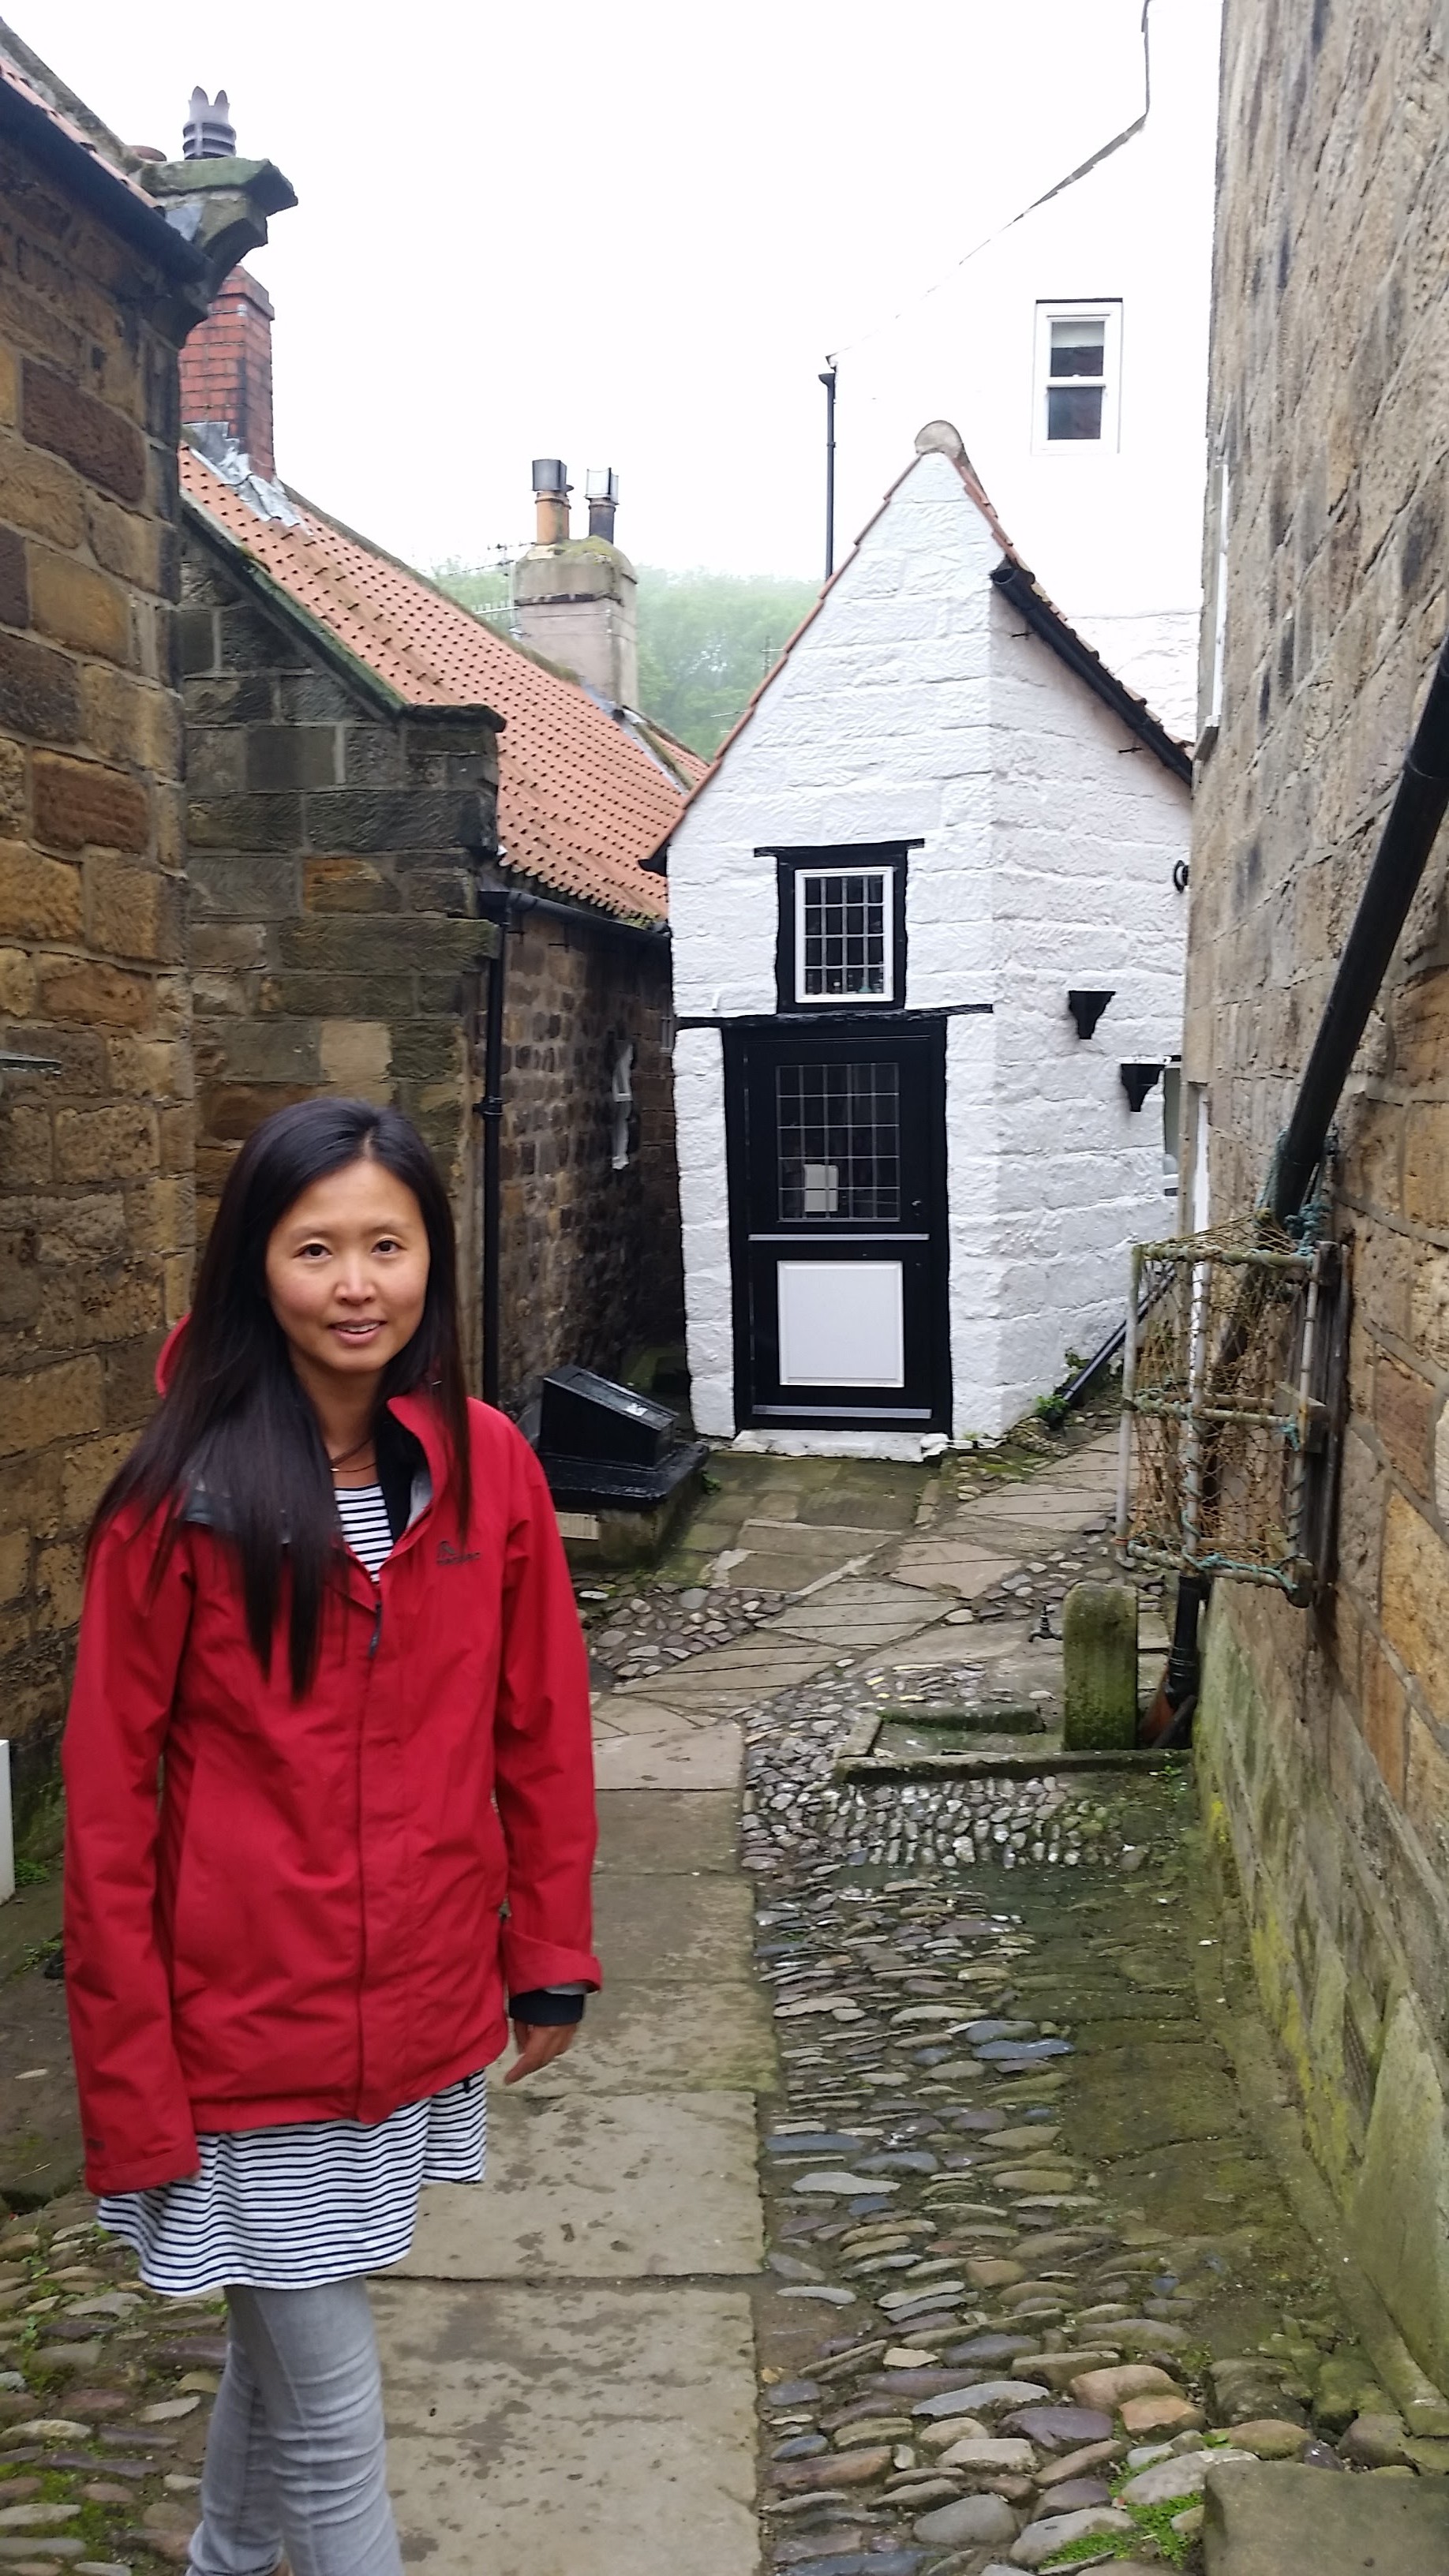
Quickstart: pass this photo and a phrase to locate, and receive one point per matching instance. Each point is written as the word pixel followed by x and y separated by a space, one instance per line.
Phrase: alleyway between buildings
pixel 920 2199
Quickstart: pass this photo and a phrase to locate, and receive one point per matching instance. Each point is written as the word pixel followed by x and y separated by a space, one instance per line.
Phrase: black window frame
pixel 853 859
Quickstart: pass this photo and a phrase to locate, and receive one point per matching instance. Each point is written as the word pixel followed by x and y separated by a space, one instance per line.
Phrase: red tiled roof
pixel 581 800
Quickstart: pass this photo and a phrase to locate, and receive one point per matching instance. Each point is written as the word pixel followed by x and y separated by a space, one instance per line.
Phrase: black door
pixel 837 1206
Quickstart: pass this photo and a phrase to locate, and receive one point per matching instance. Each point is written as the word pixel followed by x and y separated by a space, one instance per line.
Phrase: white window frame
pixel 885 869
pixel 1107 310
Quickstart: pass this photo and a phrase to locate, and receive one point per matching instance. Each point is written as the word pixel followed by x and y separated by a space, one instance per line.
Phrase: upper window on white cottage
pixel 843 925
pixel 1078 354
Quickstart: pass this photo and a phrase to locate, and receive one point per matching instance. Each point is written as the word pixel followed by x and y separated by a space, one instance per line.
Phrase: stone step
pixel 1268 2520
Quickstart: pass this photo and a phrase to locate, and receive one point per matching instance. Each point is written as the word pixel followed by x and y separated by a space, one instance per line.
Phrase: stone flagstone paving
pixel 1032 2294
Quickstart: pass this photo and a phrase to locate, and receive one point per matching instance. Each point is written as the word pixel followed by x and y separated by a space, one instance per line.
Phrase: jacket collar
pixel 416 1413
pixel 421 1417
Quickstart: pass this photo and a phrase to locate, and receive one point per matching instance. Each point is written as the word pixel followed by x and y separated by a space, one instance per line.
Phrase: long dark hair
pixel 235 1420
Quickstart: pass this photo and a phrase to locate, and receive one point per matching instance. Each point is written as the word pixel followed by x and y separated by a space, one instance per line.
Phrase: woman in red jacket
pixel 329 1802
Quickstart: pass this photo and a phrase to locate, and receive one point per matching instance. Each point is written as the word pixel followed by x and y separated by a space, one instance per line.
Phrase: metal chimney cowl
pixel 601 490
pixel 209 134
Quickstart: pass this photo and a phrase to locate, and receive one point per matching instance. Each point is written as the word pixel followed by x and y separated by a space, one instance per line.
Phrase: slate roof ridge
pixel 1054 628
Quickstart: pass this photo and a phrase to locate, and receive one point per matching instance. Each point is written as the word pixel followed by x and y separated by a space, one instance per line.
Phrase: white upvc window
pixel 1078 382
pixel 844 934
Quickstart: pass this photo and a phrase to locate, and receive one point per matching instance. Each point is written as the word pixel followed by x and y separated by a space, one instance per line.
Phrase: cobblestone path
pixel 980 2263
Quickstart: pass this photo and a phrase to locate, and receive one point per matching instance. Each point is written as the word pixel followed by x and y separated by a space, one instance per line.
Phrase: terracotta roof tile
pixel 582 798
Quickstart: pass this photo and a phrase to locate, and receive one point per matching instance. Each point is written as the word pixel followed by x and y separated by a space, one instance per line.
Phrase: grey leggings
pixel 295 2457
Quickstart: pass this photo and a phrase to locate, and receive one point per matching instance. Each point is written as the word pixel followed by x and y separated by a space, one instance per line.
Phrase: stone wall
pixel 590 1256
pixel 96 1217
pixel 334 841
pixel 1325 1737
pixel 335 852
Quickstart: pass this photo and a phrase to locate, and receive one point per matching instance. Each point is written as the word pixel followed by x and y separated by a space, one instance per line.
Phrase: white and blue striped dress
pixel 318 2200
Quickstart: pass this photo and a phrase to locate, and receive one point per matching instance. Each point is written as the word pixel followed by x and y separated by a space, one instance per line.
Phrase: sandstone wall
pixel 335 938
pixel 1325 1738
pixel 336 944
pixel 96 1217
pixel 591 1261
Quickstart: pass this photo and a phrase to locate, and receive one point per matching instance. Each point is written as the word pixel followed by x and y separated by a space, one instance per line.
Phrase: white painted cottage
pixel 928 929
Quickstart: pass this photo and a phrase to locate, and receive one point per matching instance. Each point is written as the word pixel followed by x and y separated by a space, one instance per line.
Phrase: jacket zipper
pixel 372 1643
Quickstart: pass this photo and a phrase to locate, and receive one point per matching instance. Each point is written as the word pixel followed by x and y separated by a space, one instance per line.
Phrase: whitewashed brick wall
pixel 915 709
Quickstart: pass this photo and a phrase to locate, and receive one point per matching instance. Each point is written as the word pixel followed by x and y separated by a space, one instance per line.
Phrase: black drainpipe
pixel 1393 881
pixel 490 1110
pixel 507 906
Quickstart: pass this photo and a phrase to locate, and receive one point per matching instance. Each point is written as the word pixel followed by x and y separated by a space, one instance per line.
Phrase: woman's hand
pixel 538 2044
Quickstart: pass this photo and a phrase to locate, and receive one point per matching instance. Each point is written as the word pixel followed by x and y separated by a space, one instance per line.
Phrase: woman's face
pixel 347 1271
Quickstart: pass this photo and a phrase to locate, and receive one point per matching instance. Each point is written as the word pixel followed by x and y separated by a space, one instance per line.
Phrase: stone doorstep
pixel 1275 2520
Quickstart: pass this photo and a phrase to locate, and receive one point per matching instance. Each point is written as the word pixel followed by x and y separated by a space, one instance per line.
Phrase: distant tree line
pixel 706 639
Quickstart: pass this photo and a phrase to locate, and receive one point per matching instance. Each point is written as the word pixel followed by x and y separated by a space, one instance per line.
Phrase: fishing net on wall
pixel 1227 1396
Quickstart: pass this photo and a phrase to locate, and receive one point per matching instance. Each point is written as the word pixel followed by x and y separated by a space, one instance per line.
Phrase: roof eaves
pixel 73 152
pixel 284 604
pixel 1018 585
pixel 603 916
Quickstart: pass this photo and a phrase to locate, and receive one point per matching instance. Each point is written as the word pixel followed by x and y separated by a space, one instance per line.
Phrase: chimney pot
pixel 551 500
pixel 601 485
pixel 209 134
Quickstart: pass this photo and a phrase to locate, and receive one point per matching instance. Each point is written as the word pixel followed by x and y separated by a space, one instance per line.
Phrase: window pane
pixel 1074 411
pixel 839 1141
pixel 1079 348
pixel 843 935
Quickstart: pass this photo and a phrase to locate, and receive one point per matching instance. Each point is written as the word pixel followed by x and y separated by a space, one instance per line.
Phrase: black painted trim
pixel 846 860
pixel 1018 586
pixel 736 1035
pixel 831 1023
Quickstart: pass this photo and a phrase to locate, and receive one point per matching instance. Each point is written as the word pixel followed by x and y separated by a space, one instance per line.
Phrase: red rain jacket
pixel 306 1923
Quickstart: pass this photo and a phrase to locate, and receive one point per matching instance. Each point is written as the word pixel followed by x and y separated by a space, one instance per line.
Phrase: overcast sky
pixel 628 236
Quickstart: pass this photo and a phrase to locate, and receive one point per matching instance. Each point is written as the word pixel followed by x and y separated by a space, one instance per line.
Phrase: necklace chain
pixel 343 1457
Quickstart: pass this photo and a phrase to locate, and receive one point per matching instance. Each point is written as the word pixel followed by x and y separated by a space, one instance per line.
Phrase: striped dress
pixel 318 2200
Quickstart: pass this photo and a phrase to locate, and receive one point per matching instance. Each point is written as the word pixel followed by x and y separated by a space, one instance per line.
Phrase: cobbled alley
pixel 1038 2249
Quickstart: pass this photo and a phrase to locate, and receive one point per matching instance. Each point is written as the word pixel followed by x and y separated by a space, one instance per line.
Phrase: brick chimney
pixel 226 368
